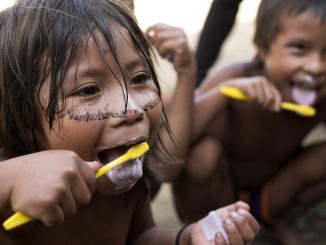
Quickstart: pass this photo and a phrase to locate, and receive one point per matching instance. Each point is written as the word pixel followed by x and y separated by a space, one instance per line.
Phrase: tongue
pixel 303 96
pixel 108 156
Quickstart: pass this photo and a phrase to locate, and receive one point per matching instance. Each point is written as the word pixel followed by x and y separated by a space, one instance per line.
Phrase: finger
pixel 94 165
pixel 232 232
pixel 243 227
pixel 159 37
pixel 83 184
pixel 68 204
pixel 219 239
pixel 236 206
pixel 260 96
pixel 176 47
pixel 88 172
pixel 81 191
pixel 268 97
pixel 53 216
pixel 277 100
pixel 224 212
pixel 250 220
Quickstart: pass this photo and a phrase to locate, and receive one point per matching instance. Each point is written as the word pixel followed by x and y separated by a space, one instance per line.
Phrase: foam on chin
pixel 127 174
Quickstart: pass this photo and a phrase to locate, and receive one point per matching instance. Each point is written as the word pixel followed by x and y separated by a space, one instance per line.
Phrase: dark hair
pixel 271 13
pixel 52 30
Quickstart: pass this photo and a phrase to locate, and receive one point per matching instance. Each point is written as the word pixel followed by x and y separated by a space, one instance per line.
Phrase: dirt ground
pixel 237 46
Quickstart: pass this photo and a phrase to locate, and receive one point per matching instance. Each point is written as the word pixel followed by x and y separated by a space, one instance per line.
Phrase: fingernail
pixel 242 212
pixel 218 235
pixel 234 215
pixel 151 33
pixel 227 222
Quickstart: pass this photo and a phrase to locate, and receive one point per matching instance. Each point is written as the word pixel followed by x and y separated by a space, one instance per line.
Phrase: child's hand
pixel 171 43
pixel 258 89
pixel 50 185
pixel 232 225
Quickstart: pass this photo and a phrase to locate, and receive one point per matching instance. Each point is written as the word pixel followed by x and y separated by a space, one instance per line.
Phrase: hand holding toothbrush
pixel 260 90
pixel 69 185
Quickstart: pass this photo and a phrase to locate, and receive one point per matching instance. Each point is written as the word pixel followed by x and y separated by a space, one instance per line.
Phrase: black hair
pixel 272 12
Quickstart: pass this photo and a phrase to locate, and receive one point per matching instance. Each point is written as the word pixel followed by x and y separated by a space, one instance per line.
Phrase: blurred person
pixel 253 150
pixel 217 26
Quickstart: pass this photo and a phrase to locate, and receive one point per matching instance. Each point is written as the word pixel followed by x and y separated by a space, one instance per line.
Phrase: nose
pixel 316 64
pixel 129 115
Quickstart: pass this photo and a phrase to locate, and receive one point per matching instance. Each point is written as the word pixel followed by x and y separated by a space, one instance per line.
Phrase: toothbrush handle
pixel 19 218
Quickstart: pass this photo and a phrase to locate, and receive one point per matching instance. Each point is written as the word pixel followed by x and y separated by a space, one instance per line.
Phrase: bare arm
pixel 238 224
pixel 208 96
pixel 171 43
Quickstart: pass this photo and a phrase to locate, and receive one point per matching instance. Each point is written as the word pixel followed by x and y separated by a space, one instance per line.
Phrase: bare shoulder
pixel 234 70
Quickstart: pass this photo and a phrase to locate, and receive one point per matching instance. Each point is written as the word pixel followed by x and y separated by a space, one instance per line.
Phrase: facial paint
pixel 88 115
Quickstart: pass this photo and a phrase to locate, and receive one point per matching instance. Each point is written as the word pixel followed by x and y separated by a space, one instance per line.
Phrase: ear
pixel 261 53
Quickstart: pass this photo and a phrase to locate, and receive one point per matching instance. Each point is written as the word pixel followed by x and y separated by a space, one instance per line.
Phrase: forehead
pixel 302 23
pixel 121 45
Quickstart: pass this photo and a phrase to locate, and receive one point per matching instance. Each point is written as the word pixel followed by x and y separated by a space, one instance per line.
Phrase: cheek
pixel 155 115
pixel 279 71
pixel 78 136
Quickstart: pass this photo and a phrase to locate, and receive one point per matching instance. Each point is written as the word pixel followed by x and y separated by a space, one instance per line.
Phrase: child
pixel 244 150
pixel 78 87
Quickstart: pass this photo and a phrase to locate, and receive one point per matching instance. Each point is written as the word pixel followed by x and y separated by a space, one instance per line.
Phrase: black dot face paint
pixel 89 114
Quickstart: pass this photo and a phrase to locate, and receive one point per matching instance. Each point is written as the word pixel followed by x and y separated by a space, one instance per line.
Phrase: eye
pixel 141 78
pixel 87 91
pixel 298 47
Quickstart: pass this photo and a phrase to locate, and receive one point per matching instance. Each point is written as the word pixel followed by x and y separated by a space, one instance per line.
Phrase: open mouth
pixel 107 155
pixel 304 90
pixel 125 175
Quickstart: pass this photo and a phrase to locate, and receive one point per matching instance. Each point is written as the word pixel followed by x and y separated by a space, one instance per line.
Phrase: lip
pixel 306 82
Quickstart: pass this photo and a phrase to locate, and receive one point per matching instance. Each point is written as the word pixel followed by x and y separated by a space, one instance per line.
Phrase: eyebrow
pixel 90 72
pixel 135 62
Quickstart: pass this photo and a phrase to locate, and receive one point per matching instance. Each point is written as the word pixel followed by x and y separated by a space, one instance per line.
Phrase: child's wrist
pixel 180 232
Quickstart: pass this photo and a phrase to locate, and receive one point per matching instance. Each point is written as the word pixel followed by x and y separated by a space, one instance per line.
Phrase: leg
pixel 205 184
pixel 302 182
pixel 218 24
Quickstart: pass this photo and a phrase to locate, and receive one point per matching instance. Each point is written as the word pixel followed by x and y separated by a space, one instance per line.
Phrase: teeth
pixel 308 79
pixel 308 82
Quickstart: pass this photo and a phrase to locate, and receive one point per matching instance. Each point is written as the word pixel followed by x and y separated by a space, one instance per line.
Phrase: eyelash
pixel 140 79
pixel 298 47
pixel 91 90
pixel 87 91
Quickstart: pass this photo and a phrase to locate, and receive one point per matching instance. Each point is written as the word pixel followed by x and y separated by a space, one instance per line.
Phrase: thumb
pixel 94 165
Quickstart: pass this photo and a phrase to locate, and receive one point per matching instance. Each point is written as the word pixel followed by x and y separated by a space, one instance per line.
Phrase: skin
pixel 256 142
pixel 65 176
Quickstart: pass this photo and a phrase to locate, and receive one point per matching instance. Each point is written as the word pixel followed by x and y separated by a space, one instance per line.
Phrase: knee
pixel 313 161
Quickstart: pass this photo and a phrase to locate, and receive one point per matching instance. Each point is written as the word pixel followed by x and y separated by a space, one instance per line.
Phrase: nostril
pixel 134 114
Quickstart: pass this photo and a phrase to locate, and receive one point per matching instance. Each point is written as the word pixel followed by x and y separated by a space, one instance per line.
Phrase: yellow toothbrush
pixel 133 152
pixel 303 110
